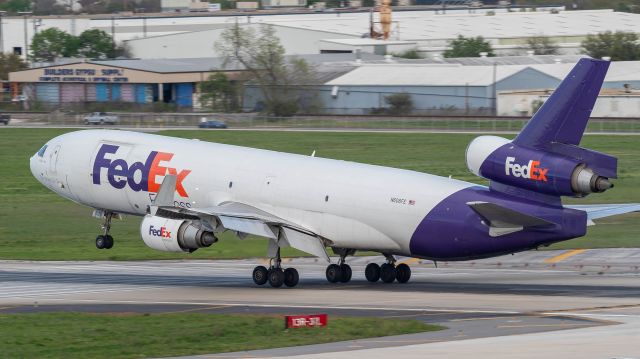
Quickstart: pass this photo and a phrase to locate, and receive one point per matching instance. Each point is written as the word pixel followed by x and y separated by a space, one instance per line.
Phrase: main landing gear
pixel 275 275
pixel 105 241
pixel 340 272
pixel 388 272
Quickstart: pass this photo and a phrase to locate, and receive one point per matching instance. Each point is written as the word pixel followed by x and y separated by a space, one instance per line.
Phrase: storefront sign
pixel 83 75
pixel 304 321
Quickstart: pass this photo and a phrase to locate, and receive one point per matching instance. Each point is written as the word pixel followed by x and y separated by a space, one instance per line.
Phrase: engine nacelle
pixel 175 235
pixel 498 159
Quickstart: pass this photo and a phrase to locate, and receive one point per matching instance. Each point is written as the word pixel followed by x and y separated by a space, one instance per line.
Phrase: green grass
pixel 126 335
pixel 35 223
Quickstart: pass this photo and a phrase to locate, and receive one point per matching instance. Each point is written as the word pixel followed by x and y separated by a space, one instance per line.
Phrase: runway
pixel 476 303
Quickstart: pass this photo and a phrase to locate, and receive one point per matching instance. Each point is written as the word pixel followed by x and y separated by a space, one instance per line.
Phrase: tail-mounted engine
pixel 176 235
pixel 565 171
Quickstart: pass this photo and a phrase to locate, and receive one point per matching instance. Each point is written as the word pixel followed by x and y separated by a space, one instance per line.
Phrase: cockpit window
pixel 42 150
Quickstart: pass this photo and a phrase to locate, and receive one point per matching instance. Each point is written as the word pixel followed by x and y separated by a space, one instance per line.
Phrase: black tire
pixel 291 277
pixel 101 242
pixel 403 273
pixel 387 273
pixel 276 277
pixel 260 275
pixel 372 272
pixel 101 122
pixel 109 242
pixel 333 273
pixel 345 275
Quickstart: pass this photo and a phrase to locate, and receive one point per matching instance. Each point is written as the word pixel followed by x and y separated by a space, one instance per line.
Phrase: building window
pixel 17 51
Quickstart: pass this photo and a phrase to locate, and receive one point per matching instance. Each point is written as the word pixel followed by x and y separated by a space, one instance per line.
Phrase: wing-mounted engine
pixel 176 235
pixel 543 171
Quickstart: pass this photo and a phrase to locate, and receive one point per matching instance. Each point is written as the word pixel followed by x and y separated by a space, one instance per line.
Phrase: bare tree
pixel 542 45
pixel 282 83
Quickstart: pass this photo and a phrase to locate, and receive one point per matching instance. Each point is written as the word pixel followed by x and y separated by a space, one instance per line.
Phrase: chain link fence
pixel 248 121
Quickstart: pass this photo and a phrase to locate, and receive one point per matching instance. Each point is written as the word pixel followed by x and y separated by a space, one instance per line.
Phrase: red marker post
pixel 305 321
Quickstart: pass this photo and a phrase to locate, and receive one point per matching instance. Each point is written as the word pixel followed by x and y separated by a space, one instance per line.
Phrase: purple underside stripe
pixel 453 231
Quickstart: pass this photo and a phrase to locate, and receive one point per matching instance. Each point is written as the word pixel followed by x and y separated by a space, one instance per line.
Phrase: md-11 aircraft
pixel 189 191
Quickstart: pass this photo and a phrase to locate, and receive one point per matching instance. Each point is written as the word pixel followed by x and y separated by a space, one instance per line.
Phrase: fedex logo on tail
pixel 138 176
pixel 159 232
pixel 531 170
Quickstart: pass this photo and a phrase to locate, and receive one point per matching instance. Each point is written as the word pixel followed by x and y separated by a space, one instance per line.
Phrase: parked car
pixel 206 123
pixel 4 118
pixel 101 118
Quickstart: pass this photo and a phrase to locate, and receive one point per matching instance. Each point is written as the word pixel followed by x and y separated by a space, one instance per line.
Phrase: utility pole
pixel 2 13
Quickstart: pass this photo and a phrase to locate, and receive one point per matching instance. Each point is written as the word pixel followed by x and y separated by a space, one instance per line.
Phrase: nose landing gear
pixel 105 241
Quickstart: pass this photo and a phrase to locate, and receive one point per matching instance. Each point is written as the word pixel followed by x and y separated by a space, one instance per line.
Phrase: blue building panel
pixel 116 92
pixel 141 93
pixel 102 93
pixel 184 94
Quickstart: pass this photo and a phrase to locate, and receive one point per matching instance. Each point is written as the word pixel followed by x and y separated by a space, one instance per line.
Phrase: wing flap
pixel 306 243
pixel 245 225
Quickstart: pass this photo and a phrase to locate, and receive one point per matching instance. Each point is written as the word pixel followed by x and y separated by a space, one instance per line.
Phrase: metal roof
pixel 401 74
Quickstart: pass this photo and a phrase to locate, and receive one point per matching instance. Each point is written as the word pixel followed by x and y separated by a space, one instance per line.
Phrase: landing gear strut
pixel 105 241
pixel 275 275
pixel 388 272
pixel 340 272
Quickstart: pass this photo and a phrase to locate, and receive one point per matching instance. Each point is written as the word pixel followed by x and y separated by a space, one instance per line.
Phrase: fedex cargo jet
pixel 189 191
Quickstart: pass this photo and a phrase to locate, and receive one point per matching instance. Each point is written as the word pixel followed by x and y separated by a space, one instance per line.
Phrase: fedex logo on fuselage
pixel 531 170
pixel 159 232
pixel 148 172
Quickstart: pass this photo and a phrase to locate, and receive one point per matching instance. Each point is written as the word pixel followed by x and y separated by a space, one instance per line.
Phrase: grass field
pixel 37 224
pixel 127 335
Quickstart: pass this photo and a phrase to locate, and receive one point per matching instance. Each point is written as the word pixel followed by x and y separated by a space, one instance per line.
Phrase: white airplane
pixel 189 191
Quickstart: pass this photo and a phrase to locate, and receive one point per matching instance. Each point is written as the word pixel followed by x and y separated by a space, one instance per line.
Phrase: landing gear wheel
pixel 109 242
pixel 291 277
pixel 345 275
pixel 276 277
pixel 101 242
pixel 260 275
pixel 403 273
pixel 333 273
pixel 387 273
pixel 372 272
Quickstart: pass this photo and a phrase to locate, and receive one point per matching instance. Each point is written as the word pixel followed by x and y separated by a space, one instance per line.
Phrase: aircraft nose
pixel 33 165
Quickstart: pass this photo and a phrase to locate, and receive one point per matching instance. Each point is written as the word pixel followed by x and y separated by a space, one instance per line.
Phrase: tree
pixel 542 45
pixel 95 44
pixel 400 103
pixel 48 7
pixel 218 93
pixel 14 6
pixel 53 43
pixel 468 47
pixel 281 83
pixel 620 46
pixel 10 63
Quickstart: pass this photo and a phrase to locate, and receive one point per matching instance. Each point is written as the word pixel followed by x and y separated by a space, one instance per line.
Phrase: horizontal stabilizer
pixel 595 211
pixel 502 220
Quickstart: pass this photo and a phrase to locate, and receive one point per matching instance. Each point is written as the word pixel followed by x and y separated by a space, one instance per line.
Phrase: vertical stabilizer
pixel 564 116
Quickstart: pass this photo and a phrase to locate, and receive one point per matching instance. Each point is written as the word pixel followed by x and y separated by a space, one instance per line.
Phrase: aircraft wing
pixel 595 211
pixel 242 219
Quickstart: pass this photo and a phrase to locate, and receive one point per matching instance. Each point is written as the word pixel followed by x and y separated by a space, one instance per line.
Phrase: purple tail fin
pixel 563 117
